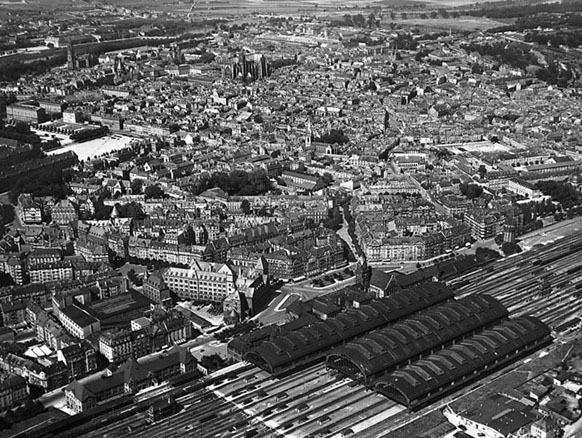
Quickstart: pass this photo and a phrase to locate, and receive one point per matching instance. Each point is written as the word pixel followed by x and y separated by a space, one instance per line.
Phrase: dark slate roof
pixel 312 340
pixel 428 329
pixel 425 376
pixel 381 279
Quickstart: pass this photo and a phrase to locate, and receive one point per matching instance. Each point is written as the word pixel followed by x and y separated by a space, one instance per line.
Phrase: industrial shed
pixel 308 344
pixel 438 374
pixel 429 330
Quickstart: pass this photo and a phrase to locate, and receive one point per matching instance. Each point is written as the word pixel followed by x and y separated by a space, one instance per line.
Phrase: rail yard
pixel 244 400
pixel 543 282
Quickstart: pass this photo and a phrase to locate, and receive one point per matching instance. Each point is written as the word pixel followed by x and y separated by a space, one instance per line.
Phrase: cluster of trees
pixel 366 40
pixel 6 214
pixel 132 209
pixel 21 132
pixel 212 362
pixel 561 192
pixel 13 69
pixel 570 214
pixel 518 11
pixel 102 211
pixel 360 21
pixel 237 182
pixel 282 62
pixel 334 219
pixel 533 210
pixel 151 265
pixel 483 254
pixel 512 54
pixel 154 192
pixel 510 248
pixel 572 38
pixel 6 99
pixel 151 192
pixel 554 74
pixel 471 191
pixel 406 41
pixel 442 12
pixel 89 134
pixel 334 136
pixel 6 280
pixel 47 182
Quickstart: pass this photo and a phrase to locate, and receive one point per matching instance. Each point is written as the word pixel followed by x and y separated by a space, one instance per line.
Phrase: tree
pixel 509 248
pixel 245 206
pixel 6 280
pixel 334 220
pixel 133 210
pixel 561 192
pixel 136 186
pixel 359 20
pixel 212 362
pixel 327 178
pixel 22 128
pixel 471 191
pixel 263 212
pixel 477 69
pixel 486 254
pixel 6 214
pixel 482 171
pixel 334 136
pixel 153 192
pixel 235 183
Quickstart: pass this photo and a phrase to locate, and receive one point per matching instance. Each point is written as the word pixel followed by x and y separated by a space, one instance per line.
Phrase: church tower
pixel 308 135
pixel 71 56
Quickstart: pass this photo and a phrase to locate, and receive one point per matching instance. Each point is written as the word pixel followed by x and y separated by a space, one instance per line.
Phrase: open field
pixel 445 24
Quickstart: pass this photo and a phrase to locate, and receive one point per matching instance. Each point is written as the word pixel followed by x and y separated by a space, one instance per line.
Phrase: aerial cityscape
pixel 291 218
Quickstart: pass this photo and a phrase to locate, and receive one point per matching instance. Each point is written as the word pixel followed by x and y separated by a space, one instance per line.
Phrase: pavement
pixel 275 311
pixel 550 233
pixel 55 398
pixel 210 348
pixel 345 235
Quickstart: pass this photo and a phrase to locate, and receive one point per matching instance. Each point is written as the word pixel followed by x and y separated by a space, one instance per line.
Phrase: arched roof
pixel 413 384
pixel 284 350
pixel 427 329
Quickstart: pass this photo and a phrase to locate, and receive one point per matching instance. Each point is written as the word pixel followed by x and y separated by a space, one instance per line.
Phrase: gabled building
pixel 130 377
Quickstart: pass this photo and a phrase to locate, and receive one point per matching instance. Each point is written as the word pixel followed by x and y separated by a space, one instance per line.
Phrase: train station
pixel 309 344
pixel 428 331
